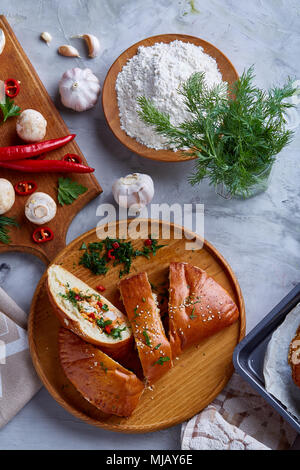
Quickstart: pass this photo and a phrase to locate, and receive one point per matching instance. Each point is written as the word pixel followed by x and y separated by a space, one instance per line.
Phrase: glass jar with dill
pixel 235 132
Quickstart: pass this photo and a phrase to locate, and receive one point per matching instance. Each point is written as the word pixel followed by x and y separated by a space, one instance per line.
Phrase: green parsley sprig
pixel 235 136
pixel 69 191
pixel 9 109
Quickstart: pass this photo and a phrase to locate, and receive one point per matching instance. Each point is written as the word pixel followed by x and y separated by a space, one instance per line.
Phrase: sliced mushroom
pixel 40 208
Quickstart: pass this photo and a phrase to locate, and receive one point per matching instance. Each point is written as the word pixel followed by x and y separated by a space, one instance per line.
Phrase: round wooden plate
pixel 109 94
pixel 197 376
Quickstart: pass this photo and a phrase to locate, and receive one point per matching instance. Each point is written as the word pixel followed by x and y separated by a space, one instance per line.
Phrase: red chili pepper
pixel 100 288
pixel 77 297
pixel 72 157
pixel 42 235
pixel 45 166
pixel 109 254
pixel 12 87
pixel 92 315
pixel 24 188
pixel 148 242
pixel 99 304
pixel 107 329
pixel 116 245
pixel 19 152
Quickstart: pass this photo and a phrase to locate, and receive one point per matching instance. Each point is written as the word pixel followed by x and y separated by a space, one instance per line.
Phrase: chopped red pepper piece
pixel 148 242
pixel 109 254
pixel 100 304
pixel 108 329
pixel 77 297
pixel 92 315
pixel 72 157
pixel 116 245
pixel 100 288
pixel 24 188
pixel 12 87
pixel 42 235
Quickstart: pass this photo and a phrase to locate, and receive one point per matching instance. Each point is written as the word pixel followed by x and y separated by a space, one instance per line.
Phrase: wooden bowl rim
pixel 128 141
pixel 123 428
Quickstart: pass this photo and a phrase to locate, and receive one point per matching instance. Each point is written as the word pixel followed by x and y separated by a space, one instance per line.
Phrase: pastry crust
pixel 72 319
pixel 198 306
pixel 294 358
pixel 100 380
pixel 152 344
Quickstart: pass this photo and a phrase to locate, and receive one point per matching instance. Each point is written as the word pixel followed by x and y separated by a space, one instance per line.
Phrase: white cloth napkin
pixel 18 379
pixel 238 419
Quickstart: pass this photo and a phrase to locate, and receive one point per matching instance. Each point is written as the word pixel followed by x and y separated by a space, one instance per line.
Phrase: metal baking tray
pixel 248 356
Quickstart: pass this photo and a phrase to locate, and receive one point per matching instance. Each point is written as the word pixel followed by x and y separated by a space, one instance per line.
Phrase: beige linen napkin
pixel 18 379
pixel 238 419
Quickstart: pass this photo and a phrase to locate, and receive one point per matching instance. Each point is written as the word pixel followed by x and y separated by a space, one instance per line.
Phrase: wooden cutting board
pixel 199 374
pixel 15 64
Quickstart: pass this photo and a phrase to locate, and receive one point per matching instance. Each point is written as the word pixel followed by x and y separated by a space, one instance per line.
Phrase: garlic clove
pixel 40 208
pixel 92 43
pixel 46 37
pixel 68 51
pixel 2 40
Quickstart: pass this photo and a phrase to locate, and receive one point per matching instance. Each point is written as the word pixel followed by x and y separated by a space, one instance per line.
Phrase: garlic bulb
pixel 68 51
pixel 2 40
pixel 40 208
pixel 79 89
pixel 31 126
pixel 92 43
pixel 7 196
pixel 133 190
pixel 46 37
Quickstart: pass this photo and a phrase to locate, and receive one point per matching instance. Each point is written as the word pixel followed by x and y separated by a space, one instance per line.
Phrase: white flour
pixel 157 72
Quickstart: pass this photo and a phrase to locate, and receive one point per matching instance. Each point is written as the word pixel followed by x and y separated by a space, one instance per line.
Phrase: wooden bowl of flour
pixel 109 94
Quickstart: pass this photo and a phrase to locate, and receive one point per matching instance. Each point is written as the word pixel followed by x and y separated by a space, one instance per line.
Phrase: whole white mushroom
pixel 135 190
pixel 40 208
pixel 31 126
pixel 7 196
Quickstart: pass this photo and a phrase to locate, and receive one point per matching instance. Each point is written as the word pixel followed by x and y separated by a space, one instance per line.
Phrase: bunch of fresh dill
pixel 234 132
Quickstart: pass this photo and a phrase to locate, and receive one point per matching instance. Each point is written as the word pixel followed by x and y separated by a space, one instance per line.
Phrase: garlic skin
pixel 7 196
pixel 40 208
pixel 2 40
pixel 46 37
pixel 68 51
pixel 92 42
pixel 31 126
pixel 79 89
pixel 135 190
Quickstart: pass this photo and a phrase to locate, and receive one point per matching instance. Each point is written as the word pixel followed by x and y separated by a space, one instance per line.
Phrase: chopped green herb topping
pixel 146 336
pixel 157 346
pixel 97 255
pixel 103 367
pixel 161 360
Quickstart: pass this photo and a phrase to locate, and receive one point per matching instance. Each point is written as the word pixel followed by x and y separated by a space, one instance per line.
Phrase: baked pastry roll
pixel 198 306
pixel 294 358
pixel 141 306
pixel 100 380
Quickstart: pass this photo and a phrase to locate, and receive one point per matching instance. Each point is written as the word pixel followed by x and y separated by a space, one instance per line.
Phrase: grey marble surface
pixel 260 237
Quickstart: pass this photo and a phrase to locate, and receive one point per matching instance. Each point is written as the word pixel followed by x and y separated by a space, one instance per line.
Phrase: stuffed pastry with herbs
pixel 101 381
pixel 294 358
pixel 88 314
pixel 141 306
pixel 198 306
